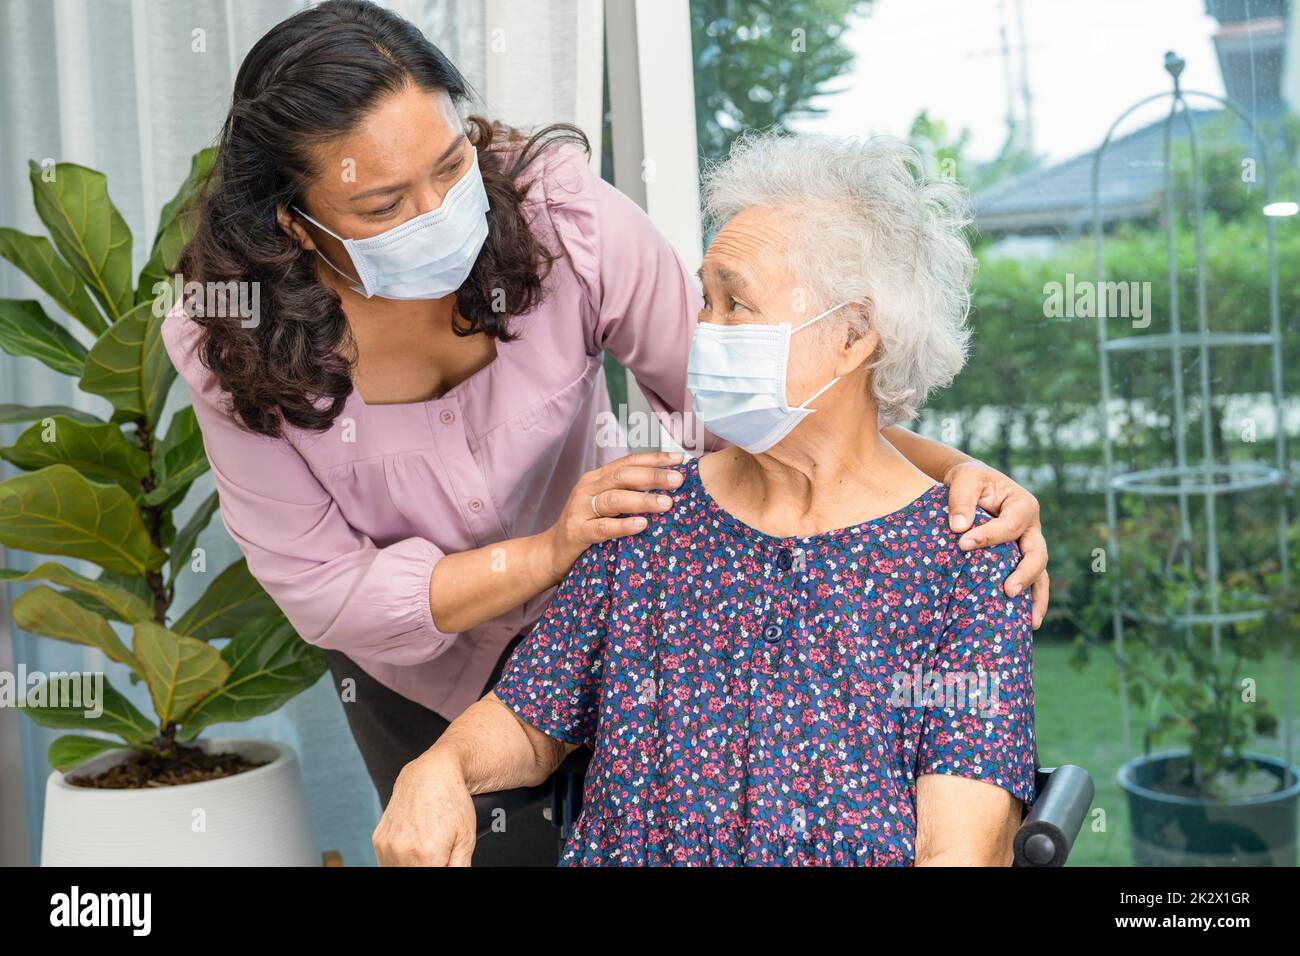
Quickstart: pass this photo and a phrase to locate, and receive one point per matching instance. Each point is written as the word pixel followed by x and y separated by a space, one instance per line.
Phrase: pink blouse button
pixel 447 416
pixel 475 505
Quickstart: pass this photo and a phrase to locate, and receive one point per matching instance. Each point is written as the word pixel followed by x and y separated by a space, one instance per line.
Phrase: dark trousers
pixel 391 731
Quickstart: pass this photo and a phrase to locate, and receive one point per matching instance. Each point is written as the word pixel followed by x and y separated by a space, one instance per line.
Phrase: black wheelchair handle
pixel 1049 830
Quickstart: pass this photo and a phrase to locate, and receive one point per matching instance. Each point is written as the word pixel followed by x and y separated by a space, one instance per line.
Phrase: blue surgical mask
pixel 736 375
pixel 427 257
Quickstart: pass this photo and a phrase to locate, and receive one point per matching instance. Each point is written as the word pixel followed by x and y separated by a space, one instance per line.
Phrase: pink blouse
pixel 344 527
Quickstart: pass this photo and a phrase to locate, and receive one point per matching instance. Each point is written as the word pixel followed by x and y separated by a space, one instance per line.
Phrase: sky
pixel 1087 61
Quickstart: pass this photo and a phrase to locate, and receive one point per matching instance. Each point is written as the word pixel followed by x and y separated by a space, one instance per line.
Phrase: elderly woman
pixel 798 663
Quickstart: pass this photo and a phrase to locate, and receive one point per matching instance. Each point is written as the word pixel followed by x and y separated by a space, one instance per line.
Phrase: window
pixel 1013 99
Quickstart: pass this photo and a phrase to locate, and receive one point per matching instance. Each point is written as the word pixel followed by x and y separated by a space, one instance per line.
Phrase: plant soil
pixel 187 765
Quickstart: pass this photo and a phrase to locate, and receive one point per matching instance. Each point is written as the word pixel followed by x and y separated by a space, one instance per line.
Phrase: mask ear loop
pixel 359 285
pixel 804 403
pixel 818 318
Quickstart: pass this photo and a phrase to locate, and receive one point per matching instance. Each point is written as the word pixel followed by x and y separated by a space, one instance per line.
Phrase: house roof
pixel 1058 198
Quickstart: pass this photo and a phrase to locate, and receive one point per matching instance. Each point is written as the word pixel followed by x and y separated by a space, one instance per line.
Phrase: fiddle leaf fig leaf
pixel 129 366
pixel 57 511
pixel 109 599
pixel 233 599
pixel 18 414
pixel 51 705
pixel 179 670
pixel 96 451
pixel 36 257
pixel 27 332
pixel 183 547
pixel 183 426
pixel 135 586
pixel 269 665
pixel 72 750
pixel 44 611
pixel 181 458
pixel 175 226
pixel 88 230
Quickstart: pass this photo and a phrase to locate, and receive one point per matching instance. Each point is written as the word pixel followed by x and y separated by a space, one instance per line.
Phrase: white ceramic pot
pixel 255 818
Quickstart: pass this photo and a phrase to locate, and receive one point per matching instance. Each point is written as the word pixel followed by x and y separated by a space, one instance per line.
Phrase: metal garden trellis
pixel 1206 479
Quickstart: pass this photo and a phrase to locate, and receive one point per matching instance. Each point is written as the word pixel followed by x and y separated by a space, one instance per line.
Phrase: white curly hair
pixel 867 226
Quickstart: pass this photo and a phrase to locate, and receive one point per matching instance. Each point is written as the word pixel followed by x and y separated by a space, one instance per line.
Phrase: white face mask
pixel 426 257
pixel 736 375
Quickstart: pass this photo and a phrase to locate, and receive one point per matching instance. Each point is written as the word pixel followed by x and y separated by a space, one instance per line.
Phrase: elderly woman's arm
pixel 964 822
pixel 976 752
pixel 544 705
pixel 430 820
pixel 971 483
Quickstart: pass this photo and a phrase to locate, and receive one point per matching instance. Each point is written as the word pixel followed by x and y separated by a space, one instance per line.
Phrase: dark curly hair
pixel 311 77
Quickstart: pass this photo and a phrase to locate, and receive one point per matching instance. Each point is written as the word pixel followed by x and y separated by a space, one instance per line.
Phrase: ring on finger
pixel 595 508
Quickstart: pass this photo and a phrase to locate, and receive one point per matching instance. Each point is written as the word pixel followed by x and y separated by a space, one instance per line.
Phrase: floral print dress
pixel 761 700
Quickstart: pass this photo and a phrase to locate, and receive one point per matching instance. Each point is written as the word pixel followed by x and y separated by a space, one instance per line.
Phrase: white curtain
pixel 134 88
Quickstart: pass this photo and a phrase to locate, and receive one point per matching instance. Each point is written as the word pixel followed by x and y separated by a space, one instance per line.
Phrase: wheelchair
pixel 1046 835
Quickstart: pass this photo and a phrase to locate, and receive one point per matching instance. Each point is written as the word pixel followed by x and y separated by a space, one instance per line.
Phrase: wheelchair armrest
pixel 487 805
pixel 1049 829
pixel 562 792
pixel 567 785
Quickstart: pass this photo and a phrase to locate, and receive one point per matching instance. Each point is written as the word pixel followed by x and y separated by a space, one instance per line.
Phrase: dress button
pixel 773 633
pixel 475 505
pixel 785 559
pixel 447 416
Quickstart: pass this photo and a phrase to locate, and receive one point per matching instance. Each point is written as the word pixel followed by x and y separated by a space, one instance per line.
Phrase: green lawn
pixel 1078 722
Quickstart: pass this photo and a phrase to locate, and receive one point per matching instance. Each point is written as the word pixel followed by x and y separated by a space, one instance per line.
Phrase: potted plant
pixel 1211 802
pixel 131 789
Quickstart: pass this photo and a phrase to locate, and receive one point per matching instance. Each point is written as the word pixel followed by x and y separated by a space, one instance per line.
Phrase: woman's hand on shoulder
pixel 608 502
pixel 1016 518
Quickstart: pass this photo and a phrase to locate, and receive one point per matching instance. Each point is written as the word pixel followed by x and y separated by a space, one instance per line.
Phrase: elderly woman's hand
pixel 1015 511
pixel 430 818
